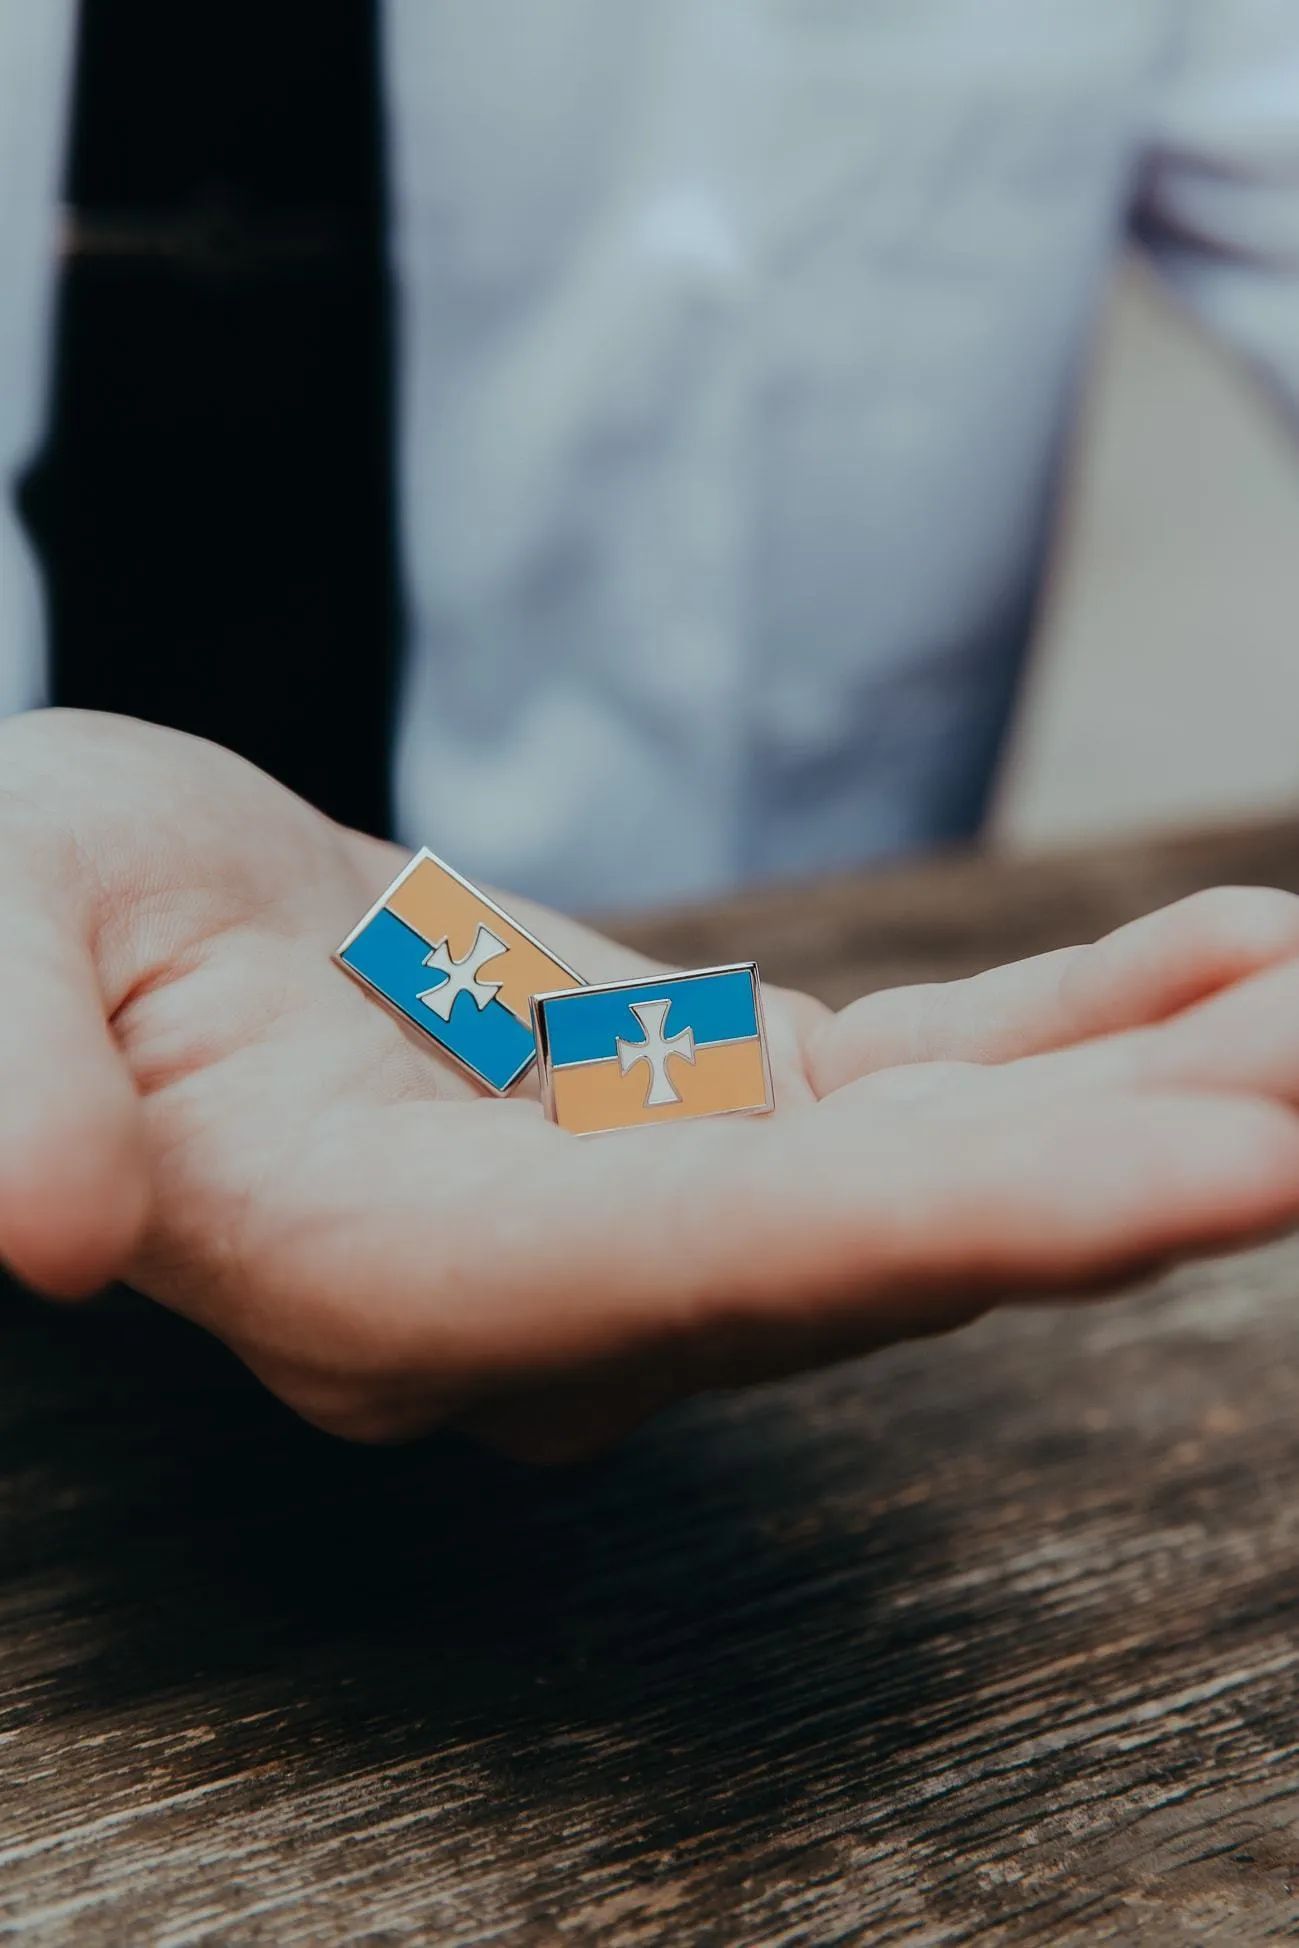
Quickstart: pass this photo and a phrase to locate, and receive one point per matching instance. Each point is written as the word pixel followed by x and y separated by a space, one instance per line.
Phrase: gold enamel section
pixel 597 1096
pixel 439 907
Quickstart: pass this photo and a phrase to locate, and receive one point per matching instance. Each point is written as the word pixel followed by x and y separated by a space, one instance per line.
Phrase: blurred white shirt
pixel 738 339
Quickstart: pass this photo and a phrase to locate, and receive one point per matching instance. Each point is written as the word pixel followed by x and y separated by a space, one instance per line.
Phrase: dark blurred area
pixel 213 504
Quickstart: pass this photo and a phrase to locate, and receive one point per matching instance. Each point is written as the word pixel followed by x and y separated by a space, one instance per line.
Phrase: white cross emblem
pixel 462 975
pixel 656 1050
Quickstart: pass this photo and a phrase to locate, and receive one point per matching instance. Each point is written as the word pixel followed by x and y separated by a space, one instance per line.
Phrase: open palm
pixel 194 1098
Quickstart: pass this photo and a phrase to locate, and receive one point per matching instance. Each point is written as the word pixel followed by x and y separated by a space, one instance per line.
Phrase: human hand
pixel 195 1099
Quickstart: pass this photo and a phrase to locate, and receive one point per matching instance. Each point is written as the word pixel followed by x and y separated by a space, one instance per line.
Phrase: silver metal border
pixel 541 1036
pixel 400 1015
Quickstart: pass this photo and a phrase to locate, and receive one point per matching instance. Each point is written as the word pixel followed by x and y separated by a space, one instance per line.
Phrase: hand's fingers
pixel 1245 1039
pixel 73 1183
pixel 1142 973
pixel 725 1249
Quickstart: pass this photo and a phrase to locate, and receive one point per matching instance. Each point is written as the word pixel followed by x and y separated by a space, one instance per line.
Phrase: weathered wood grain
pixel 993 1639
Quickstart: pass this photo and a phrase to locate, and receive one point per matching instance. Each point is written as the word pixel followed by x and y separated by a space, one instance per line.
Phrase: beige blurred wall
pixel 1165 688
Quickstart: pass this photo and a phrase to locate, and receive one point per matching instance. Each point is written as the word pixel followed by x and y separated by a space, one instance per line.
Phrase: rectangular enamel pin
pixel 452 962
pixel 658 1051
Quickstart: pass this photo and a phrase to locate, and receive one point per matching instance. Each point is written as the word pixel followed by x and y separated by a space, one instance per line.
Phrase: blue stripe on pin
pixel 718 1007
pixel 391 956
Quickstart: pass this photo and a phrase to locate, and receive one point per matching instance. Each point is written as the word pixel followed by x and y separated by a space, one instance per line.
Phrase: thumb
pixel 73 1179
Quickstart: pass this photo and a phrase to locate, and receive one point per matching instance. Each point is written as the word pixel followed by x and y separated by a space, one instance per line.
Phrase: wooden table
pixel 994 1639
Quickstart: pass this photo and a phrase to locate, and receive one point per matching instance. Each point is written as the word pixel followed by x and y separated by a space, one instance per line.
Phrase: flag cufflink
pixel 452 962
pixel 660 1051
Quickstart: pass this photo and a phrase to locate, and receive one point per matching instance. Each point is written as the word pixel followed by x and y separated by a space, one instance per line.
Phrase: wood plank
pixel 983 1639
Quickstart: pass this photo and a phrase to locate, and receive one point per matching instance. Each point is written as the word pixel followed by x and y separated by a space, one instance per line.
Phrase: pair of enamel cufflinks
pixel 452 962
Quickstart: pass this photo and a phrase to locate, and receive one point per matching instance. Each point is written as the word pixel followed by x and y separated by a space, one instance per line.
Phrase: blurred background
pixel 215 497
pixel 1165 685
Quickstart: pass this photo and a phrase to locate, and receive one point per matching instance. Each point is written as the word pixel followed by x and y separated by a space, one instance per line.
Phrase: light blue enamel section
pixel 491 1041
pixel 585 1027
